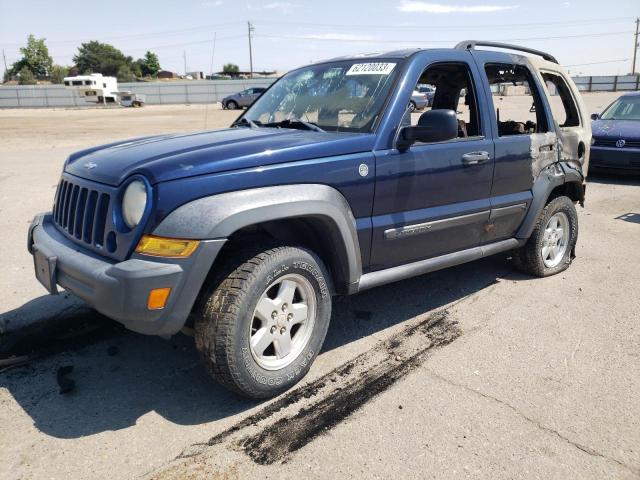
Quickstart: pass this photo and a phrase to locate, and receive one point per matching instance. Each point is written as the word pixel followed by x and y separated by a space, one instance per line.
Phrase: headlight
pixel 134 202
pixel 593 140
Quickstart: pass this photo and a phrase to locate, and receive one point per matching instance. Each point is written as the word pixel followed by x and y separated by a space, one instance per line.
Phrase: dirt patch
pixel 70 329
pixel 335 395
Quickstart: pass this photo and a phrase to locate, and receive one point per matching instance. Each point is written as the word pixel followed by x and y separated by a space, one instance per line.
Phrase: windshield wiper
pixel 307 125
pixel 246 121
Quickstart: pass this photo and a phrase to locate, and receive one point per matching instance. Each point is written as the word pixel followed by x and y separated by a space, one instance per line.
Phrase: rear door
pixel 524 136
pixel 433 199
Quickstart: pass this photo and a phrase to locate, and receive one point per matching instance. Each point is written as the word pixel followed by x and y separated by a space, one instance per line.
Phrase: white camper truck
pixel 130 99
pixel 94 88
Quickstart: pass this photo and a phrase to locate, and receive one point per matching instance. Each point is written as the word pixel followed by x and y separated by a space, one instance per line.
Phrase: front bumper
pixel 615 159
pixel 120 290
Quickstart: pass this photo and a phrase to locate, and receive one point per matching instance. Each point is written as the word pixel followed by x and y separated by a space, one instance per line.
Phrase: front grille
pixel 81 212
pixel 611 142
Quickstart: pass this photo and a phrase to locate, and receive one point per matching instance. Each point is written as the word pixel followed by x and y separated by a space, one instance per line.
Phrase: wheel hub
pixel 282 322
pixel 555 239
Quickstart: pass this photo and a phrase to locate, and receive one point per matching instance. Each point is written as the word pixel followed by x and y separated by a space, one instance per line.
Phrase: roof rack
pixel 472 44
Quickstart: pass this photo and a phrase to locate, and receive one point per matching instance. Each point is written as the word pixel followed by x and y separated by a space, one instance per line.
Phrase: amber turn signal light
pixel 158 298
pixel 166 247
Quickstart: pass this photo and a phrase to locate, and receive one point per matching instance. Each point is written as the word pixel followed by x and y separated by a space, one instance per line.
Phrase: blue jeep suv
pixel 327 185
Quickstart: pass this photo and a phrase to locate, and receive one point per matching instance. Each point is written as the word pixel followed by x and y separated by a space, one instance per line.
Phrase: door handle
pixel 475 158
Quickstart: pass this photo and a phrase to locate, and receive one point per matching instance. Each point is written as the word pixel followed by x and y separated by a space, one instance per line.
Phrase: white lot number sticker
pixel 377 68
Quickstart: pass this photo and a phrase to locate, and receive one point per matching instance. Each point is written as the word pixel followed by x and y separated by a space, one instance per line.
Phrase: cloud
pixel 212 3
pixel 427 7
pixel 283 7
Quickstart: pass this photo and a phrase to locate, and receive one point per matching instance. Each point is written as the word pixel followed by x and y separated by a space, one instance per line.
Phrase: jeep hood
pixel 169 157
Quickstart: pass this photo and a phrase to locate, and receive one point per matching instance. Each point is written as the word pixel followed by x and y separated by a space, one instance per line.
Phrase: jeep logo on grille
pixel 620 143
pixel 90 165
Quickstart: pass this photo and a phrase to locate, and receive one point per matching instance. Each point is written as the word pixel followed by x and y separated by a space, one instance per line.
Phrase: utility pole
pixel 4 57
pixel 184 55
pixel 635 47
pixel 250 30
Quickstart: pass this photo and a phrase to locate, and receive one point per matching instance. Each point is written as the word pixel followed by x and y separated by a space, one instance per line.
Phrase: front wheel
pixel 263 326
pixel 550 248
pixel 231 105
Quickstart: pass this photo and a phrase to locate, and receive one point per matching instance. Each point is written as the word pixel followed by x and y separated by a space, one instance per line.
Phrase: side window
pixel 450 88
pixel 562 103
pixel 516 100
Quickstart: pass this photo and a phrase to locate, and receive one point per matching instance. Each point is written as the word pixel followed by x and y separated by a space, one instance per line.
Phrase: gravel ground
pixel 476 371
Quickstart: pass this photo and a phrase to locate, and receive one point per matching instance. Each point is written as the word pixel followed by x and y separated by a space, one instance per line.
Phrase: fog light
pixel 166 247
pixel 158 298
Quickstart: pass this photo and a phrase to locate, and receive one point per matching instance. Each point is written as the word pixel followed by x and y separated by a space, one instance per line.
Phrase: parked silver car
pixel 419 101
pixel 242 99
pixel 429 90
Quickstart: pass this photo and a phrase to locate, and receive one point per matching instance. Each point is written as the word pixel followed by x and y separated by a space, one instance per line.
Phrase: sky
pixel 589 37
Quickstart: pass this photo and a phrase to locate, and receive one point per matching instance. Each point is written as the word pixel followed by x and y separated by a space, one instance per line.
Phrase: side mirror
pixel 433 126
pixel 595 116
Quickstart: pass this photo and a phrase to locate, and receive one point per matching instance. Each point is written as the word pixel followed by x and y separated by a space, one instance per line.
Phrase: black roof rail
pixel 472 44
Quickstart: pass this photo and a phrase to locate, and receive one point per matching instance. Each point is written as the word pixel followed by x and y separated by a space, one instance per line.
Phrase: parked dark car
pixel 616 136
pixel 327 185
pixel 242 99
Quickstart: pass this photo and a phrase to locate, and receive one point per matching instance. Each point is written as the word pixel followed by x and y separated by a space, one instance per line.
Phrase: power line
pixel 596 63
pixel 218 26
pixel 448 26
pixel 171 45
pixel 427 41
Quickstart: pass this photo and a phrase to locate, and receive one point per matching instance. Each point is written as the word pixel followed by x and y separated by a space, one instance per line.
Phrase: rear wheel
pixel 262 327
pixel 232 105
pixel 412 106
pixel 550 248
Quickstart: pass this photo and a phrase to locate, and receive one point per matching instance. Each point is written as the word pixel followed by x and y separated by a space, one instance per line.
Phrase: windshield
pixel 345 96
pixel 624 108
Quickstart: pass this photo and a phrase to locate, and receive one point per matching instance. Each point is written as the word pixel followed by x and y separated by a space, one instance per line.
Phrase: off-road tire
pixel 528 258
pixel 225 313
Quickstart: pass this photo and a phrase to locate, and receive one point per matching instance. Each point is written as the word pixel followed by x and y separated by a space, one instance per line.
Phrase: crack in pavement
pixel 579 446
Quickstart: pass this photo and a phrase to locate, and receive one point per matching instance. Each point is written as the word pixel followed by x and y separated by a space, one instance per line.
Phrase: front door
pixel 433 199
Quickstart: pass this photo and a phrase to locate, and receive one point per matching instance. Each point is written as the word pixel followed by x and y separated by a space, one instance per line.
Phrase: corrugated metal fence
pixel 613 83
pixel 183 92
pixel 209 91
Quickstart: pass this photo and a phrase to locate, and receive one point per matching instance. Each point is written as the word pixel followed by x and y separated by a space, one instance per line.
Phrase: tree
pixel 35 58
pixel 230 68
pixel 125 74
pixel 96 57
pixel 58 72
pixel 26 77
pixel 149 65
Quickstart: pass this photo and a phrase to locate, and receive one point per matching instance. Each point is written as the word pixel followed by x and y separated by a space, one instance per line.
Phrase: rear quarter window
pixel 563 105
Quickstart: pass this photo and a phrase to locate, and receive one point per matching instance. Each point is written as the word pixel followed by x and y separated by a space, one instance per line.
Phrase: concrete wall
pixel 178 92
pixel 209 91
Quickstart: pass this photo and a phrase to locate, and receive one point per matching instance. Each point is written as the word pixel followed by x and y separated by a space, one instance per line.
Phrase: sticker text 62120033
pixel 372 68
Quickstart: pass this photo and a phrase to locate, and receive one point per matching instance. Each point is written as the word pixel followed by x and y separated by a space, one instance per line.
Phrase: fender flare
pixel 551 177
pixel 219 216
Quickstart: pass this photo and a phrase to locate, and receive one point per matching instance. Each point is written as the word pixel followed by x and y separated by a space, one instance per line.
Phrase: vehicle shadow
pixel 121 376
pixel 607 178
